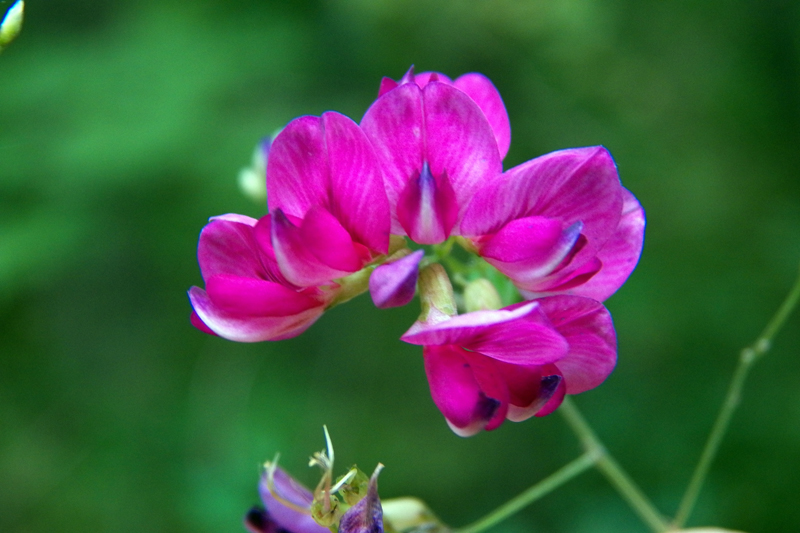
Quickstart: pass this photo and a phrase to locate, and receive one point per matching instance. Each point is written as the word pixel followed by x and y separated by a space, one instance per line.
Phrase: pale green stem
pixel 749 355
pixel 611 469
pixel 545 486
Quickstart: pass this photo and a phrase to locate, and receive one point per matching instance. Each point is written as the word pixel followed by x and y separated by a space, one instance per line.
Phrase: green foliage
pixel 123 126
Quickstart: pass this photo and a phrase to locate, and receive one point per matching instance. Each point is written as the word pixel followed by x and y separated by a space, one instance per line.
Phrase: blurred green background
pixel 122 128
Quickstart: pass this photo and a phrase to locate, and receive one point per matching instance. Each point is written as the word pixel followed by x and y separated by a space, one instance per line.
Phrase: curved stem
pixel 749 355
pixel 609 467
pixel 545 486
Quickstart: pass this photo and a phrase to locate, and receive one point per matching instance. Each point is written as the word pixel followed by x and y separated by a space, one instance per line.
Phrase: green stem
pixel 545 486
pixel 749 355
pixel 609 467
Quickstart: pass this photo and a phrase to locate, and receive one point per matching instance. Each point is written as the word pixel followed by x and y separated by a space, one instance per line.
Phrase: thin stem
pixel 748 356
pixel 545 486
pixel 609 467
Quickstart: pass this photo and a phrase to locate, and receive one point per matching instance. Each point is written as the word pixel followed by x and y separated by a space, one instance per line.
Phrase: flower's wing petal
pixel 300 257
pixel 459 141
pixel 619 254
pixel 490 380
pixel 527 249
pixel 589 330
pixel 393 284
pixel 358 196
pixel 227 246
pixel 256 297
pixel 330 242
pixel 456 391
pixel 289 489
pixel 241 328
pixel 575 185
pixel 486 95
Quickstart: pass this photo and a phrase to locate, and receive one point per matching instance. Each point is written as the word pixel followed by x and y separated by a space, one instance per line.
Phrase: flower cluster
pixel 379 206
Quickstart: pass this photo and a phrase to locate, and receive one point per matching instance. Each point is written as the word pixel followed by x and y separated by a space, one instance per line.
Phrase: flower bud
pixel 367 515
pixel 252 180
pixel 436 295
pixel 480 295
pixel 11 24
pixel 404 514
pixel 393 284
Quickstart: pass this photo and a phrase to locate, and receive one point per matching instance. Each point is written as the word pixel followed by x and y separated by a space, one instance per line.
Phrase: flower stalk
pixel 747 358
pixel 544 487
pixel 609 467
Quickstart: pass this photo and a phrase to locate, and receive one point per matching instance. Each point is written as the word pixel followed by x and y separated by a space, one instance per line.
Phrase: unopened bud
pixel 436 295
pixel 11 24
pixel 366 516
pixel 405 514
pixel 393 284
pixel 480 295
pixel 252 180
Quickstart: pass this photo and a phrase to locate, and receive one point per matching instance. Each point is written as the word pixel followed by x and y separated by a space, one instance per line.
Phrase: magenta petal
pixel 227 246
pixel 619 254
pixel 513 336
pixel 427 207
pixel 463 327
pixel 357 192
pixel 199 324
pixel 530 248
pixel 256 297
pixel 486 95
pixel 297 168
pixel 575 185
pixel 393 284
pixel 460 142
pixel 285 517
pixel 589 330
pixel 297 256
pixel 456 392
pixel 329 241
pixel 440 125
pixel 387 84
pixel 327 161
pixel 242 328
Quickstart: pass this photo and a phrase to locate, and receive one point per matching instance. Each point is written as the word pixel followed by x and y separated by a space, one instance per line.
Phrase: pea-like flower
pixel 329 217
pixel 487 366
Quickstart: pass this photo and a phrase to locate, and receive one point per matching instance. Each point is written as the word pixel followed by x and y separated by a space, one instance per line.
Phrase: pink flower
pixel 559 224
pixel 436 147
pixel 246 298
pixel 325 192
pixel 487 366
pixel 329 216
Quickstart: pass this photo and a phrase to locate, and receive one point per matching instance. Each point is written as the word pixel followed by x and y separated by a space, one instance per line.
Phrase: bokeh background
pixel 122 128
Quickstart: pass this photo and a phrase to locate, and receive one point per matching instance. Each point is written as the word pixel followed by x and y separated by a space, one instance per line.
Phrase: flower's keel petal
pixel 619 254
pixel 251 296
pixel 243 328
pixel 427 208
pixel 456 391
